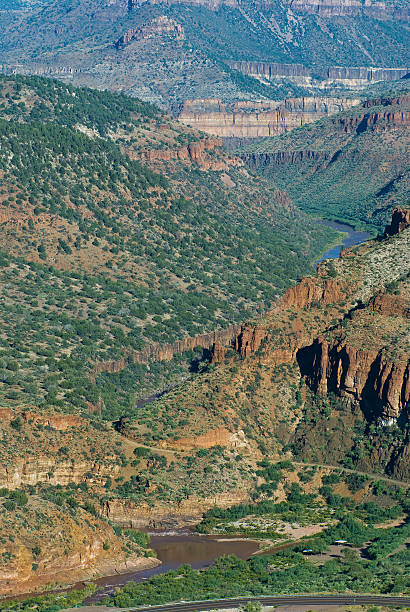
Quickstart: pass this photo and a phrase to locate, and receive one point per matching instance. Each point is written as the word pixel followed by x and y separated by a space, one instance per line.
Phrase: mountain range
pixel 205 49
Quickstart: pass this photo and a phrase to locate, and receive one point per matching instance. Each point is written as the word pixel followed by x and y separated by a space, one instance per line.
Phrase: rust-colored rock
pixel 390 304
pixel 215 437
pixel 367 375
pixel 218 352
pixel 59 422
pixel 400 220
pixel 250 339
pixel 310 290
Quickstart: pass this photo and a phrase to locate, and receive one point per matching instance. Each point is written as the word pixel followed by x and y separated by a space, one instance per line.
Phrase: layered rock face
pixel 354 359
pixel 323 8
pixel 212 5
pixel 71 549
pixel 258 119
pixel 260 160
pixel 165 516
pixel 368 376
pixel 160 26
pixel 25 471
pixel 348 76
pixel 350 8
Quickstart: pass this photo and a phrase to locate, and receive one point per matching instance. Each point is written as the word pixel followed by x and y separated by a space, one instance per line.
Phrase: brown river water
pixel 174 550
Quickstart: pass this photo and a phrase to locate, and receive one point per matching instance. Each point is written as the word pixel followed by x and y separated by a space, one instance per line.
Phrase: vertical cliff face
pixel 356 358
pixel 350 8
pixel 370 377
pixel 400 221
pixel 354 76
pixel 258 119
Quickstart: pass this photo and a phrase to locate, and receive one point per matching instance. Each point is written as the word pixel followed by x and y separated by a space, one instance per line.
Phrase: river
pixel 351 238
pixel 174 550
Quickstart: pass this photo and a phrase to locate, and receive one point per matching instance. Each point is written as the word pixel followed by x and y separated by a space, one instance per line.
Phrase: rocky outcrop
pixel 168 516
pixel 375 121
pixel 400 220
pixel 72 549
pixel 165 352
pixel 260 160
pixel 59 422
pixel 350 76
pixel 212 5
pixel 195 152
pixel 215 437
pixel 24 471
pixel 390 305
pixel 350 8
pixel 250 339
pixel 258 119
pixel 313 290
pixel 322 8
pixel 368 376
pixel 387 101
pixel 160 26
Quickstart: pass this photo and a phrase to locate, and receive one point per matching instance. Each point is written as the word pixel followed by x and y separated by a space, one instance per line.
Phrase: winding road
pixel 291 600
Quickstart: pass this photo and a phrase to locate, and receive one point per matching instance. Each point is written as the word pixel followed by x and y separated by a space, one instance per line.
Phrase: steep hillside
pixel 103 258
pixel 234 50
pixel 352 166
pixel 316 369
pixel 331 357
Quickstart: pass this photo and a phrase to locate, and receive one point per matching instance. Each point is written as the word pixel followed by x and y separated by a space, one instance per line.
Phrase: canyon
pixel 322 332
pixel 316 159
pixel 307 377
pixel 173 51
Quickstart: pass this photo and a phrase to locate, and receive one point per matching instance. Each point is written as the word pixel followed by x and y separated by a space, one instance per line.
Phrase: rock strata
pixel 160 26
pixel 350 76
pixel 168 516
pixel 258 119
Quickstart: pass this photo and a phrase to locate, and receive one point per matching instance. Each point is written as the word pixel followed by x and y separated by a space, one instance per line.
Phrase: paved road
pixel 305 600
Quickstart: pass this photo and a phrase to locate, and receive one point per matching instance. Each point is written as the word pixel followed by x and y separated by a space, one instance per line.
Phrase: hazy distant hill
pixel 192 45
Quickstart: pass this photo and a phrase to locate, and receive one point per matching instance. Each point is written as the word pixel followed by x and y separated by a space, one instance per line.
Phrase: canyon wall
pixel 258 119
pixel 349 76
pixel 25 471
pixel 400 221
pixel 168 515
pixel 350 8
pixel 368 375
pixel 165 352
pixel 371 377
pixel 358 122
pixel 376 9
